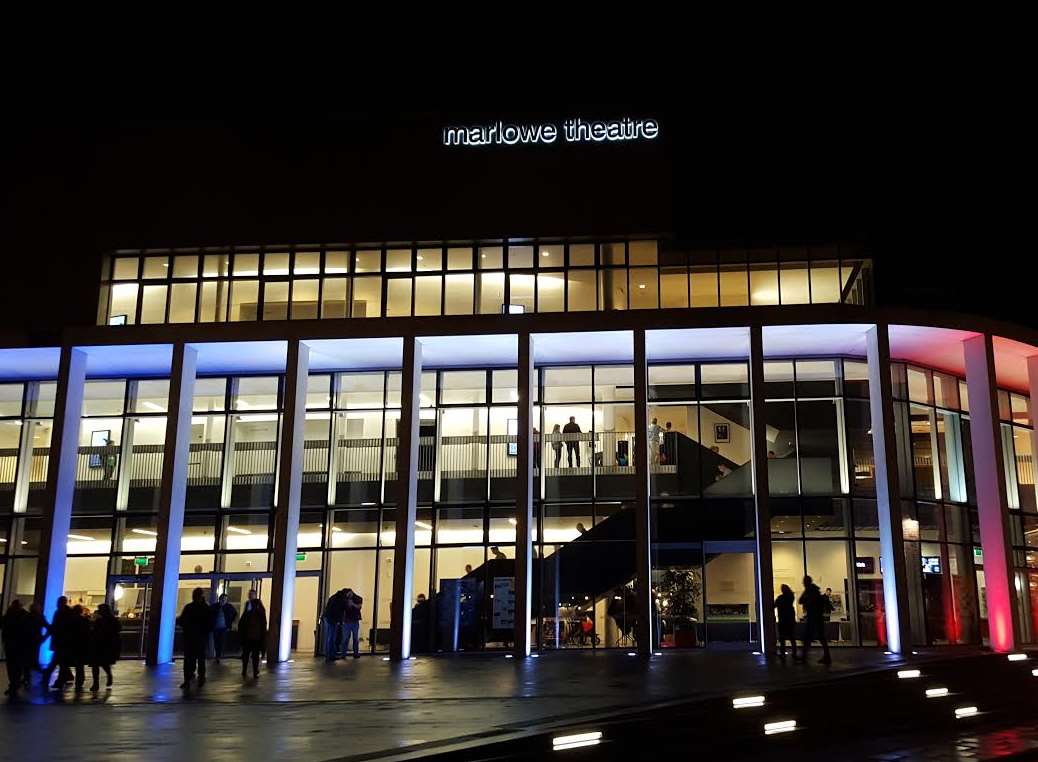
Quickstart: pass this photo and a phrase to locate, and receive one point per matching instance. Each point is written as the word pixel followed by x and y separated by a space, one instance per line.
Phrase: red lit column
pixel 992 503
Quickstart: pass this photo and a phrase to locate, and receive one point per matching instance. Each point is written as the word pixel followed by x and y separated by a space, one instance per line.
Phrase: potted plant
pixel 677 591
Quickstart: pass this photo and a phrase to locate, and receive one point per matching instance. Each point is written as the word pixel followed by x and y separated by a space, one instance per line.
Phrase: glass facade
pixel 480 278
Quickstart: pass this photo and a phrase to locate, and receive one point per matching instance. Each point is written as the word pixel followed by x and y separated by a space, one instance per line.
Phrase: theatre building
pixel 592 440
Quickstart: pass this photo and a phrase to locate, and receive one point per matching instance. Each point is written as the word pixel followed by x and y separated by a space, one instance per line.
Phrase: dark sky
pixel 762 170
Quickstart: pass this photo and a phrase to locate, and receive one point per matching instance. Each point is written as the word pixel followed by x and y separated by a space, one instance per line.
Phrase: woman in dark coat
pixel 787 619
pixel 16 625
pixel 252 632
pixel 79 643
pixel 105 644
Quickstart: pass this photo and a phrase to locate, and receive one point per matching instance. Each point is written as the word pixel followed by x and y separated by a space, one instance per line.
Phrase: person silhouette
pixel 814 604
pixel 787 619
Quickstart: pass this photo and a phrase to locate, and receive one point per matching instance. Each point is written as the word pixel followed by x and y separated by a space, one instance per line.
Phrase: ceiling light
pixel 641 285
pixel 423 525
pixel 419 257
pixel 545 253
pixel 152 406
pixel 512 522
pixel 336 529
pixel 80 537
pixel 238 530
pixel 145 531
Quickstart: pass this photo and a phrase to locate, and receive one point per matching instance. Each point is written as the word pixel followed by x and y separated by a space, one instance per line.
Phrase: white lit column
pixel 61 484
pixel 642 540
pixel 406 501
pixel 888 492
pixel 764 573
pixel 992 503
pixel 170 524
pixel 286 514
pixel 524 516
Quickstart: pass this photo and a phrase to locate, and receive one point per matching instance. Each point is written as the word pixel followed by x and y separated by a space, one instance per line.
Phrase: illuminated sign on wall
pixel 574 130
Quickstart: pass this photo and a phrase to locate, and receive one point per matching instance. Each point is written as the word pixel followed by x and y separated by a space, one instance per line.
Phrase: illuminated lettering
pixel 574 130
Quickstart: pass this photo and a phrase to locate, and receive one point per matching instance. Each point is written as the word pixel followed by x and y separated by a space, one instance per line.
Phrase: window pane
pixel 612 289
pixel 855 379
pixel 458 299
pixel 764 287
pixel 257 393
pixel 491 257
pixel 275 263
pixel 1020 407
pixel 581 293
pixel 398 261
pixel 673 287
pixel 919 386
pixel 778 379
pixel 726 449
pixel 724 381
pixel 151 397
pixel 427 295
pixel 825 283
pixel 858 415
pixel 182 305
pixel 367 296
pixel 614 383
pixel 611 254
pixel 275 301
pixel 123 309
pixel 459 258
pixel 567 384
pixel 361 390
pixel 156 267
pixel 244 300
pixel 551 256
pixel 398 297
pixel 551 292
pixel 505 385
pixel 125 268
pixel 817 378
pixel 304 299
pixel 521 291
pixel 644 288
pixel 307 263
pixel 336 262
pixel 185 266
pixel 369 261
pixel 794 283
pixel 214 301
pixel 210 394
pixel 153 306
pixel 216 266
pixel 520 256
pixel 335 298
pixel 641 252
pixel 246 264
pixel 734 287
pixel 780 418
pixel 818 436
pixel 430 259
pixel 672 382
pixel 491 293
pixel 581 255
pixel 463 387
pixel 104 398
pixel 704 286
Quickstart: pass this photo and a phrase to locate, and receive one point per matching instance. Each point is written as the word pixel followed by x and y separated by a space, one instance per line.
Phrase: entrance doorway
pixel 730 593
pixel 131 603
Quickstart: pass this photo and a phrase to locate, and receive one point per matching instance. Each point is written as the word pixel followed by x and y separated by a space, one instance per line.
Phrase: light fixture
pixel 1017 657
pixel 888 653
pixel 509 656
pixel 907 674
pixel 385 658
pixel 238 530
pixel 745 702
pixel 419 257
pixel 152 406
pixel 631 653
pixel 512 522
pixel 336 529
pixel 545 253
pixel 118 592
pixel 560 743
pixel 936 692
pixel 641 285
pixel 965 711
pixel 80 537
pixel 535 656
pixel 782 726
pixel 3 539
pixel 423 525
pixel 658 653
pixel 145 531
pixel 413 658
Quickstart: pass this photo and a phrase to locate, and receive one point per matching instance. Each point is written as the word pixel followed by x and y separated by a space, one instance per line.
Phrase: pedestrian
pixel 332 619
pixel 105 645
pixel 16 625
pixel 79 643
pixel 814 604
pixel 556 443
pixel 572 442
pixel 351 622
pixel 654 433
pixel 224 615
pixel 252 630
pixel 59 642
pixel 787 619
pixel 196 622
pixel 39 631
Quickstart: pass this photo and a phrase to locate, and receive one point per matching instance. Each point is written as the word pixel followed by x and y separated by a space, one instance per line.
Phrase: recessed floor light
pixel 560 743
pixel 965 711
pixel 936 692
pixel 908 673
pixel 1017 657
pixel 745 702
pixel 783 726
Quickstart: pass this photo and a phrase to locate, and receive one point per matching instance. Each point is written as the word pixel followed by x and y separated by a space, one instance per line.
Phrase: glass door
pixel 730 593
pixel 131 603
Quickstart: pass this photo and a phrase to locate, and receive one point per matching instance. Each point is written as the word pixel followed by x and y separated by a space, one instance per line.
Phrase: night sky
pixel 740 172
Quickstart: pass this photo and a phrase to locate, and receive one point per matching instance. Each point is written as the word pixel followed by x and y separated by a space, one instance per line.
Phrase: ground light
pixel 965 711
pixel 560 743
pixel 782 726
pixel 1017 657
pixel 1034 672
pixel 906 674
pixel 745 702
pixel 936 692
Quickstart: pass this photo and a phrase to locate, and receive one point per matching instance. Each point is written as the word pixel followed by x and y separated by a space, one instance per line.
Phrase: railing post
pixel 524 516
pixel 765 573
pixel 286 514
pixel 644 623
pixel 61 484
pixel 888 492
pixel 1004 625
pixel 172 492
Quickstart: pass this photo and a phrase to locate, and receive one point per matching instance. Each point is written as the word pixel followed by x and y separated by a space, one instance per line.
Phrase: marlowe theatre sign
pixel 573 131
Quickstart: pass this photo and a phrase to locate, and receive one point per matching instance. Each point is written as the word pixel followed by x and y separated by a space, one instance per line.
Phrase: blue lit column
pixel 286 515
pixel 173 488
pixel 406 501
pixel 764 573
pixel 524 516
pixel 644 623
pixel 992 502
pixel 61 484
pixel 888 492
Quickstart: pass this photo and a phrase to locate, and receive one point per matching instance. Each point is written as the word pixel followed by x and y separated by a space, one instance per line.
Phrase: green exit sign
pixel 300 556
pixel 140 561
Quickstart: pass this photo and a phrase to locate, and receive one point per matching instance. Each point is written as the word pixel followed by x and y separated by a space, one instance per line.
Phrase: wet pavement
pixel 312 710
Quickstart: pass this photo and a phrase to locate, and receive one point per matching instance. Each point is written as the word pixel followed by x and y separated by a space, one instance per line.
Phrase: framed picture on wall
pixel 722 434
pixel 99 439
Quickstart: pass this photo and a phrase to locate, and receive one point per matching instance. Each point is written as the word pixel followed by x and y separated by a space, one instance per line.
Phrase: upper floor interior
pixel 486 277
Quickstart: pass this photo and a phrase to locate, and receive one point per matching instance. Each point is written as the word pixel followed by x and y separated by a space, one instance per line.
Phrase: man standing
pixel 196 622
pixel 814 604
pixel 224 615
pixel 654 442
pixel 572 442
pixel 61 635
pixel 332 618
pixel 351 622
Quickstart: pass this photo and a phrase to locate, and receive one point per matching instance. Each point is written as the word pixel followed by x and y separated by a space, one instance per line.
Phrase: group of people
pixel 201 620
pixel 341 618
pixel 78 638
pixel 817 608
pixel 572 443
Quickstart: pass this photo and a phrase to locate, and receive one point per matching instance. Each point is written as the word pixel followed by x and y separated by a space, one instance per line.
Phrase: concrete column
pixel 764 571
pixel 406 501
pixel 61 484
pixel 524 494
pixel 24 468
pixel 992 502
pixel 176 452
pixel 888 493
pixel 644 623
pixel 286 514
pixel 227 466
